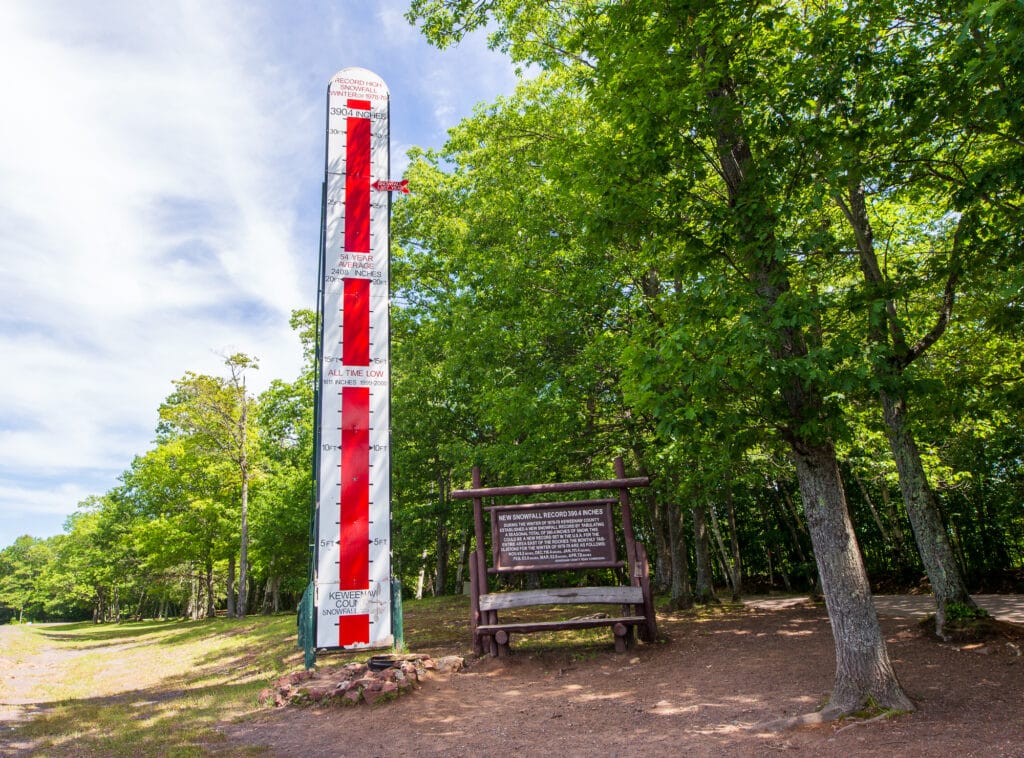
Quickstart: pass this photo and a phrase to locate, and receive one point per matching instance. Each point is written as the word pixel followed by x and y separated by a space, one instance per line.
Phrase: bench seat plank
pixel 552 626
pixel 497 601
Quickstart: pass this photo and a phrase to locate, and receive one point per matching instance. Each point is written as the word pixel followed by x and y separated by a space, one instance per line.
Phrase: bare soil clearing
pixel 701 692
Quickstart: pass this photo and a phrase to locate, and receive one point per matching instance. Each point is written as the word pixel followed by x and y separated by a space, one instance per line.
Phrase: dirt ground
pixel 701 691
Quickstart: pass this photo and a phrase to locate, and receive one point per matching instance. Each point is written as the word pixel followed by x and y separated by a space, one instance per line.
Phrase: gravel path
pixel 1003 607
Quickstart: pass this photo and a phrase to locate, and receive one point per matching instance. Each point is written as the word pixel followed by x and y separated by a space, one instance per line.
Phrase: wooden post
pixel 650 633
pixel 474 604
pixel 627 524
pixel 478 530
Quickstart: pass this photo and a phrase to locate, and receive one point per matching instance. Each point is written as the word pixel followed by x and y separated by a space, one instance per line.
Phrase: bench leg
pixel 492 618
pixel 501 637
pixel 627 610
pixel 650 631
pixel 620 637
pixel 474 605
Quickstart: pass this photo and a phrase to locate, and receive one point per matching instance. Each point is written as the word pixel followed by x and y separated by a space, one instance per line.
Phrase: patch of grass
pixel 724 608
pixel 965 625
pixel 437 624
pixel 964 612
pixel 155 688
pixel 20 641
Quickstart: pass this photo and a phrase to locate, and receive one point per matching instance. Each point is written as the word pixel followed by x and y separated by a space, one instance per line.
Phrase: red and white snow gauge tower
pixel 352 564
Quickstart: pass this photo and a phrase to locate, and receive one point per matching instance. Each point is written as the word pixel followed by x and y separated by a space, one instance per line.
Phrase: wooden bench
pixel 557 536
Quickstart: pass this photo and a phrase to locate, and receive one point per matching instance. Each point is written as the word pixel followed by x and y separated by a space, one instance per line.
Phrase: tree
pixel 283 503
pixel 184 499
pixel 72 581
pixel 529 401
pixel 879 162
pixel 216 413
pixel 717 119
pixel 21 565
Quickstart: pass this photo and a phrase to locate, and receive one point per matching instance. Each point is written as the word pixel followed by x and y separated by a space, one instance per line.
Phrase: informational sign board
pixel 353 543
pixel 552 536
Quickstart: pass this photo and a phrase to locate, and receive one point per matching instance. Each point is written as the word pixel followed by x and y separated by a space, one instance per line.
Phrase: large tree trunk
pixel 231 586
pixel 923 509
pixel 705 590
pixel 211 609
pixel 243 552
pixel 681 596
pixel 885 331
pixel 863 669
pixel 441 563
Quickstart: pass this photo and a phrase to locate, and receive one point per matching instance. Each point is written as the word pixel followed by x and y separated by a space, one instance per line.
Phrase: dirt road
pixel 701 692
pixel 1005 607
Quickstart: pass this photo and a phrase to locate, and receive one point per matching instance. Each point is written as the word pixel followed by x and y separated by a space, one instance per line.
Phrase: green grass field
pixel 148 688
pixel 159 687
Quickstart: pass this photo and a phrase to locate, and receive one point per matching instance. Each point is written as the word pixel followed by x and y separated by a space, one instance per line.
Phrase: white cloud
pixel 146 225
pixel 159 200
pixel 50 503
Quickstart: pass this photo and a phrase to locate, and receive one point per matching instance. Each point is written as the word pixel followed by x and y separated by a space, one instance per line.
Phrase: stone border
pixel 355 683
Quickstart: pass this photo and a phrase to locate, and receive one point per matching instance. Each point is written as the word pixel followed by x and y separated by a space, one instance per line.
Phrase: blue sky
pixel 160 168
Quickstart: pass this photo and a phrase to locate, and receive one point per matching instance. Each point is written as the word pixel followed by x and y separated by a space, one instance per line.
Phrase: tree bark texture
pixel 863 668
pixel 442 553
pixel 933 543
pixel 211 609
pixel 886 331
pixel 705 589
pixel 231 586
pixel 682 592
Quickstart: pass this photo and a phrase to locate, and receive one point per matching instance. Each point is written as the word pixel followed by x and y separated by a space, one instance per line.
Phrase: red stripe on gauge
pixel 354 532
pixel 355 328
pixel 354 630
pixel 357 182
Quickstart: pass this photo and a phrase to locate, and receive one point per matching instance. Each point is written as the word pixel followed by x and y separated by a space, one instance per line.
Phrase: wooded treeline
pixel 220 502
pixel 770 250
pixel 769 253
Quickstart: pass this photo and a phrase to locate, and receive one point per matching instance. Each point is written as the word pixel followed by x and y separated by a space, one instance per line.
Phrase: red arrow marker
pixel 383 185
